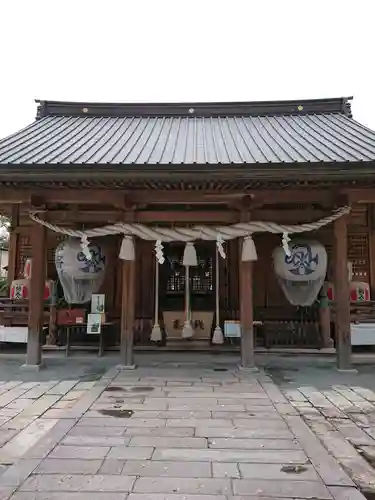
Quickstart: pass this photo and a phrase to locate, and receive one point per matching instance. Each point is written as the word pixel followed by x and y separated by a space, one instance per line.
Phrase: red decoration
pixel 19 289
pixel 27 269
pixel 359 291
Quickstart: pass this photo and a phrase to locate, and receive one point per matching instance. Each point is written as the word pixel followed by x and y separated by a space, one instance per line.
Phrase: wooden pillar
pixel 127 314
pixel 36 306
pixel 325 320
pixel 246 314
pixel 342 295
pixel 371 237
pixel 13 244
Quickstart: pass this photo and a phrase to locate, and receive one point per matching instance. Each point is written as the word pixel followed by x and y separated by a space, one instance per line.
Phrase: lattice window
pixel 358 254
pixel 201 276
pixel 176 279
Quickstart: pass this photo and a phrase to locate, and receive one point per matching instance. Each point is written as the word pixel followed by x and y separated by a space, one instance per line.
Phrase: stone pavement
pixel 338 408
pixel 173 431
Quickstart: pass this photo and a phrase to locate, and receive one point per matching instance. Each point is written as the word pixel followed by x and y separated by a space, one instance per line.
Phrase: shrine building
pixel 230 226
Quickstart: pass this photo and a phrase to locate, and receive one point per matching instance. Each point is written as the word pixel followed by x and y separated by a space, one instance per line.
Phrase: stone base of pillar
pixel 126 367
pixel 348 370
pixel 31 368
pixel 249 369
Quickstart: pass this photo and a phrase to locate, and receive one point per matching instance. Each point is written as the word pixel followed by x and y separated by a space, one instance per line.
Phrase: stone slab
pixel 328 469
pixel 290 489
pixel 193 422
pixel 168 496
pixel 280 472
pixel 78 482
pixel 111 466
pixel 26 495
pixel 27 438
pixel 171 414
pixel 160 431
pixel 253 444
pixel 89 452
pixel 210 455
pixel 346 493
pixel 225 470
pixel 80 431
pixel 130 453
pixel 167 469
pixel 68 466
pixel 95 441
pixel 256 423
pixel 361 472
pixel 202 486
pixel 15 475
pixel 127 422
pixel 168 442
pixel 232 432
pixel 48 443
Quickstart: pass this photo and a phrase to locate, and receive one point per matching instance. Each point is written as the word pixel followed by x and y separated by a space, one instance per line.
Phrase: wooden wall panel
pixel 145 279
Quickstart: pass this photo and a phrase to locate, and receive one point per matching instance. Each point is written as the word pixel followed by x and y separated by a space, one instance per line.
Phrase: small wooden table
pixel 70 328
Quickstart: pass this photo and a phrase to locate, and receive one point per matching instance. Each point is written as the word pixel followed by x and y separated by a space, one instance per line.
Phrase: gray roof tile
pixel 138 140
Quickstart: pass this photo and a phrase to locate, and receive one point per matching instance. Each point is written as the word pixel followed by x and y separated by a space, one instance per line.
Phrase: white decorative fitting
pixel 159 252
pixel 190 255
pixel 285 243
pixel 127 251
pixel 219 245
pixel 249 252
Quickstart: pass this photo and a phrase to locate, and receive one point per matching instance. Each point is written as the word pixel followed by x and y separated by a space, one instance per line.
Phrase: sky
pixel 196 50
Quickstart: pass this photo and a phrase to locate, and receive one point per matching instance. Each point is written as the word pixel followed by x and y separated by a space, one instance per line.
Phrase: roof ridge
pixel 199 109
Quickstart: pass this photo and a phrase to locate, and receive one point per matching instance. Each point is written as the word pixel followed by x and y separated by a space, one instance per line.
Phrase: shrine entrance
pixel 201 290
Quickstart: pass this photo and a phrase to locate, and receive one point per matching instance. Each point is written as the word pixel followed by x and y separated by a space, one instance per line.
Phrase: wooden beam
pixel 67 217
pixel 37 282
pixel 342 292
pixel 100 218
pixel 359 195
pixel 122 199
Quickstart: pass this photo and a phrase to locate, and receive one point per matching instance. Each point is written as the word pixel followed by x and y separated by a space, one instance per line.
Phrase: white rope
pixel 196 232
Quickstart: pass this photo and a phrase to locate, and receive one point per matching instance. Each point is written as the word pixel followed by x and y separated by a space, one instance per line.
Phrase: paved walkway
pixel 191 431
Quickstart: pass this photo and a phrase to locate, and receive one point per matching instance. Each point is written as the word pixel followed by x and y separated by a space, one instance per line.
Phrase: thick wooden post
pixel 127 314
pixel 246 314
pixel 342 295
pixel 36 306
pixel 13 244
pixel 325 319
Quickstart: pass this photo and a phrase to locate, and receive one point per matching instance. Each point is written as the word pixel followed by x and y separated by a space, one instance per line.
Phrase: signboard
pixel 16 334
pixel 98 303
pixel 201 322
pixel 94 323
pixel 232 329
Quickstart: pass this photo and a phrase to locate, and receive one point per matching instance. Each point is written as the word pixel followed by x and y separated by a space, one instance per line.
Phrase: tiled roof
pixel 225 137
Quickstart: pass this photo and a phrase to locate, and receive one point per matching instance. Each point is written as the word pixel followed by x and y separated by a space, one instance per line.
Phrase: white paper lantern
pixel 79 276
pixel 301 275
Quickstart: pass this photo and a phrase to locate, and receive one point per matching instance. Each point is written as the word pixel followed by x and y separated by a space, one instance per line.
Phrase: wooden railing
pixel 360 312
pixel 16 312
